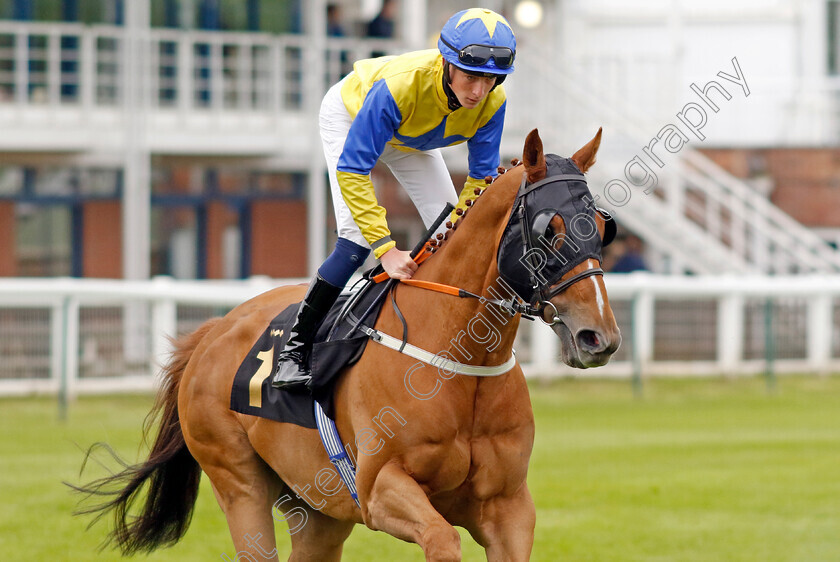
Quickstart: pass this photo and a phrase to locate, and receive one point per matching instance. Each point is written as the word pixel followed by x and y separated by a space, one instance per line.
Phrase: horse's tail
pixel 172 473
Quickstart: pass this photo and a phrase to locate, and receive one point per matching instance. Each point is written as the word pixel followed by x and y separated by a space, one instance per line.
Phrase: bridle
pixel 555 290
pixel 531 215
pixel 538 225
pixel 533 266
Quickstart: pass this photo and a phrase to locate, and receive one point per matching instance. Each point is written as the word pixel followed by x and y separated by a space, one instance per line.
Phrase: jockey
pixel 401 110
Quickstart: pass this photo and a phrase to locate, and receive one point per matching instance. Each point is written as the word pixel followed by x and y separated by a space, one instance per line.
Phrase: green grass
pixel 696 470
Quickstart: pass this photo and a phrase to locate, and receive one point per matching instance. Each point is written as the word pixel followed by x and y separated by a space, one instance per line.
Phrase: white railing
pixel 72 336
pixel 75 64
pixel 63 88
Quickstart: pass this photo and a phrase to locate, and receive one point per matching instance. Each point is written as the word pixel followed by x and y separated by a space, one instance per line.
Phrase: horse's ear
pixel 585 157
pixel 533 157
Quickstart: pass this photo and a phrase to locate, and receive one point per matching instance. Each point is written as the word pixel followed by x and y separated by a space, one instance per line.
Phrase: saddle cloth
pixel 337 346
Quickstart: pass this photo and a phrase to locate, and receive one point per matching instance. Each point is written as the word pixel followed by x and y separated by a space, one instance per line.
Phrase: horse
pixel 433 450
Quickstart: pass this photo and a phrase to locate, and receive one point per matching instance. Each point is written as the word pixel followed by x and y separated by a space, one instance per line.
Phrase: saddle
pixel 338 344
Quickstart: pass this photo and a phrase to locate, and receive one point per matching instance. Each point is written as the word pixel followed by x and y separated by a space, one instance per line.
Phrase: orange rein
pixel 424 254
pixel 512 306
pixel 430 285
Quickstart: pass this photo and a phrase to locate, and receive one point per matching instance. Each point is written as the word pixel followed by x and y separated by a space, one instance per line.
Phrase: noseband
pixel 559 288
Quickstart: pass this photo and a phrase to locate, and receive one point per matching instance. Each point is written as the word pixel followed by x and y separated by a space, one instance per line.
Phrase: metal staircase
pixel 698 218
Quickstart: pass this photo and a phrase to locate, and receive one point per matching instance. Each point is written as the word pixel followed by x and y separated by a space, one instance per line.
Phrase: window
pixel 833 37
pixel 43 242
pixel 63 221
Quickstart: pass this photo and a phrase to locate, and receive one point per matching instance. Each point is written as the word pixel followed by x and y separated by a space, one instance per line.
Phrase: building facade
pixel 178 137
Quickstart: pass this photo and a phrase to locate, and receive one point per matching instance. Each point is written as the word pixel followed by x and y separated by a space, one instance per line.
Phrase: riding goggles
pixel 478 55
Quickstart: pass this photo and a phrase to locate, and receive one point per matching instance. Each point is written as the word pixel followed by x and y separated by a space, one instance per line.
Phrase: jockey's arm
pixel 372 128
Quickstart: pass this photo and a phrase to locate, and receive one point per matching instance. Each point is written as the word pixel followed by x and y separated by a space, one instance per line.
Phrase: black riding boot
pixel 292 371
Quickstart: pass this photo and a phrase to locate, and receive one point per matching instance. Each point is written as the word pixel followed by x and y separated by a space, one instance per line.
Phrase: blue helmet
pixel 478 40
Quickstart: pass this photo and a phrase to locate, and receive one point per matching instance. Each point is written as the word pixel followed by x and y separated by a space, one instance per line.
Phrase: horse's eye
pixel 549 231
pixel 555 231
pixel 547 224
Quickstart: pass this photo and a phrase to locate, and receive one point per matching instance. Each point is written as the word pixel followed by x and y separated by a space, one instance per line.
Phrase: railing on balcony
pixel 66 64
pixel 246 93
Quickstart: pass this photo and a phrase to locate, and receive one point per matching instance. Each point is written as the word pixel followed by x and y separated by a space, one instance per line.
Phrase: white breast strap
pixel 436 360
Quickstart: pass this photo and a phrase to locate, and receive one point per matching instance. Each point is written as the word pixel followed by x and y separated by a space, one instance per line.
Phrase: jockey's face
pixel 469 89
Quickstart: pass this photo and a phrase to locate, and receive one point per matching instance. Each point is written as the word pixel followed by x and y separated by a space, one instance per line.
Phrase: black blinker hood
pixel 531 257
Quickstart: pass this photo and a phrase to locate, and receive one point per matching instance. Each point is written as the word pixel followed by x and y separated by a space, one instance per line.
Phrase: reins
pixel 436 360
pixel 511 306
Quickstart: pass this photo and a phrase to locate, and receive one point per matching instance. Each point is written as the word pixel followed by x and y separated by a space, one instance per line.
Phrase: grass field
pixel 696 470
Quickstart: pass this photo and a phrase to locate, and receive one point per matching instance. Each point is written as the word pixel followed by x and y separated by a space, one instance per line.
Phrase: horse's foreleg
pixel 399 506
pixel 504 526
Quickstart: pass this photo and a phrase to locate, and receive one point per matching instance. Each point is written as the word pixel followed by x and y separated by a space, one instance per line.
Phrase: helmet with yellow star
pixel 478 41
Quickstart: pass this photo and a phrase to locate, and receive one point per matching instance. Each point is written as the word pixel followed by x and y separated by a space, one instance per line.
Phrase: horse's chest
pixel 482 465
pixel 499 464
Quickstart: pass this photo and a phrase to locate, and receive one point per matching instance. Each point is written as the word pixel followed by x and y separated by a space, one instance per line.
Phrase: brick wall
pixel 219 218
pixel 102 238
pixel 806 181
pixel 279 239
pixel 8 259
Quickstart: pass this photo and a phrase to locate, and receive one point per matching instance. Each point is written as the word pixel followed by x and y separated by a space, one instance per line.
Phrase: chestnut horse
pixel 432 450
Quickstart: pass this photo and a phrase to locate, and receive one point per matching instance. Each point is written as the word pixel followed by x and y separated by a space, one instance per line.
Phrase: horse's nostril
pixel 590 340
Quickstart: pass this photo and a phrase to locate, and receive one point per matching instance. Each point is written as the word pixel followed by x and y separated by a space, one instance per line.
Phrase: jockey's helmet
pixel 478 41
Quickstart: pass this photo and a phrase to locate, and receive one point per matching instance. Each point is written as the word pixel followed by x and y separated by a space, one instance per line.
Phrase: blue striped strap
pixel 335 450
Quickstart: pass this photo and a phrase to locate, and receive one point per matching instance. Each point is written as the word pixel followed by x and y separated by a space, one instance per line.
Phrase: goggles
pixel 478 55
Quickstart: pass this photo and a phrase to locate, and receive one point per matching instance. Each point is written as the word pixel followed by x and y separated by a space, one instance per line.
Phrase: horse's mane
pixel 437 242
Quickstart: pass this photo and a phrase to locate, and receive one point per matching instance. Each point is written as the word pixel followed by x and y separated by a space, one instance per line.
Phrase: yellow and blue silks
pixel 400 101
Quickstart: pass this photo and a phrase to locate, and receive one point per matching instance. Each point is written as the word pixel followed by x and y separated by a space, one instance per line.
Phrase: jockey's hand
pixel 398 264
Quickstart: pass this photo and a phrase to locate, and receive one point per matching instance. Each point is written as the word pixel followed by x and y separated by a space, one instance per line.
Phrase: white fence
pixel 72 336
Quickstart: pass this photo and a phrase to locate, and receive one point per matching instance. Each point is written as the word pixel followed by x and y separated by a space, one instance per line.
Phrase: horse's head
pixel 550 252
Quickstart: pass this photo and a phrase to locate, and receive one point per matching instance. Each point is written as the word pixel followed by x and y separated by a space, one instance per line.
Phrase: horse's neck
pixel 467 260
pixel 469 254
